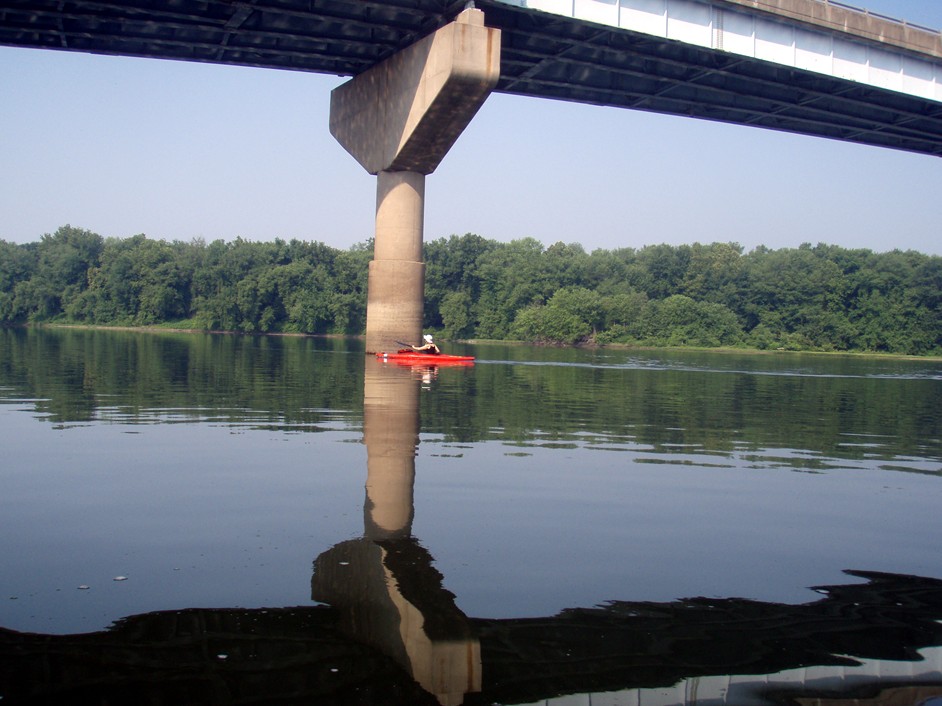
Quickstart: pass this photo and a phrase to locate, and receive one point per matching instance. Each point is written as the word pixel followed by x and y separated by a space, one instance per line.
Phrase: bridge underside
pixel 542 55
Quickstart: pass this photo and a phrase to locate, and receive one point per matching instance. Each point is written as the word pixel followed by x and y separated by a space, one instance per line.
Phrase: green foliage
pixel 572 315
pixel 17 263
pixel 60 273
pixel 549 324
pixel 136 281
pixel 456 316
pixel 681 321
pixel 808 298
pixel 76 275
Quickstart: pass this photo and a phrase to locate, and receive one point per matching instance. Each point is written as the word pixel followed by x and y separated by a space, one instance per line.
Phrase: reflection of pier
pixel 393 634
pixel 384 585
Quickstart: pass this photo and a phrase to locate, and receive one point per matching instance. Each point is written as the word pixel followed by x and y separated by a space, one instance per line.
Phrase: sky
pixel 178 150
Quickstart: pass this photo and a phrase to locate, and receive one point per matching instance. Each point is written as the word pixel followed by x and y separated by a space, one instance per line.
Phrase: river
pixel 261 517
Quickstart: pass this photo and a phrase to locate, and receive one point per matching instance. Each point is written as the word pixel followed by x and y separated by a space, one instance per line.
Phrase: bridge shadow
pixel 389 631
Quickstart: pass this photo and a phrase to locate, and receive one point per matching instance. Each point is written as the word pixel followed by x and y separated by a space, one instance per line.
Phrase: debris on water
pixel 120 578
pixel 84 587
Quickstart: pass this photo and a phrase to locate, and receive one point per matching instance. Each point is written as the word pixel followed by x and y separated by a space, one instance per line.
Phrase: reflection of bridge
pixel 393 633
pixel 422 68
pixel 855 646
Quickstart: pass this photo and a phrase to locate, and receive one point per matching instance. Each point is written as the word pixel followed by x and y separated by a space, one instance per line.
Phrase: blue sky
pixel 177 151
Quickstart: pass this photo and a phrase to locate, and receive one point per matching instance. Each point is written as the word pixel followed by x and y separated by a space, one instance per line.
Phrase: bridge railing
pixel 887 18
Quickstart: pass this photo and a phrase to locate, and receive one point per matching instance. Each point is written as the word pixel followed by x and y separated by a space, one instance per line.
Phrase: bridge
pixel 815 67
pixel 807 66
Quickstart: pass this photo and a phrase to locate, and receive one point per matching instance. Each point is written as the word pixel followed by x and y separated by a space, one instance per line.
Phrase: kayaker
pixel 428 347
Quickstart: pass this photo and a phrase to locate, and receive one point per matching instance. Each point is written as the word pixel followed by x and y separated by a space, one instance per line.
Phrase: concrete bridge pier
pixel 398 119
pixel 396 287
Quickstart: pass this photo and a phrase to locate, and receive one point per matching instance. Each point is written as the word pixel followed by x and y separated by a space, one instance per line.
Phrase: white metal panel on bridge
pixel 753 690
pixel 791 44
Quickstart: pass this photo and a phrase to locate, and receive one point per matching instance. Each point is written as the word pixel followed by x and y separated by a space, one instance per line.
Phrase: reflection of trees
pixel 77 375
pixel 710 411
pixel 74 375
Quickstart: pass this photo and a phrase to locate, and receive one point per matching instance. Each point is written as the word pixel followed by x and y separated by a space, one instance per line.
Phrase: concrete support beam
pixel 398 120
pixel 405 113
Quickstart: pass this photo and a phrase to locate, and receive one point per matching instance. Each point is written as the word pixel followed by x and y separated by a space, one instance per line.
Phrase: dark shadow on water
pixel 395 637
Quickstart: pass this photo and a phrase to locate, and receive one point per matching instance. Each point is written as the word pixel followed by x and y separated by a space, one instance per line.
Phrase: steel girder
pixel 543 55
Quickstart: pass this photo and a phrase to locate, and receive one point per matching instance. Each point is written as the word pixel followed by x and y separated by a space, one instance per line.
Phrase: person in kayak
pixel 428 347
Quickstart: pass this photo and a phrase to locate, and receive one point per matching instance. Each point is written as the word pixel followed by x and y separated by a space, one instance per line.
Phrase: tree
pixel 511 279
pixel 665 269
pixel 546 324
pixel 681 321
pixel 713 273
pixel 572 315
pixel 456 314
pixel 61 275
pixel 17 264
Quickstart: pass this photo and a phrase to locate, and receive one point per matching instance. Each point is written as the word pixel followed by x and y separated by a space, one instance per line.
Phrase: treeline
pixel 807 298
pixel 78 276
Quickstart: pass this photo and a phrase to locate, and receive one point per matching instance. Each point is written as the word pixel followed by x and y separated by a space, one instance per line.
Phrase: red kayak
pixel 415 358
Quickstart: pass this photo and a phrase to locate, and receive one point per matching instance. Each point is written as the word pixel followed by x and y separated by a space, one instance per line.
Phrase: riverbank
pixel 160 328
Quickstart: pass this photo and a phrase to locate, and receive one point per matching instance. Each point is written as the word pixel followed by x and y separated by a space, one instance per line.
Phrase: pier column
pixel 396 287
pixel 399 119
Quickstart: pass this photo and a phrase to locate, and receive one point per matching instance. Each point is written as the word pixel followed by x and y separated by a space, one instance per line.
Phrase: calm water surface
pixel 146 475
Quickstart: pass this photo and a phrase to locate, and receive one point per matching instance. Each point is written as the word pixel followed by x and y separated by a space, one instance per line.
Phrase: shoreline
pixel 480 341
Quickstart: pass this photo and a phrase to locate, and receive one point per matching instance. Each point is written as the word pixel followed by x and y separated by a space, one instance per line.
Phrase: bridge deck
pixel 543 55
